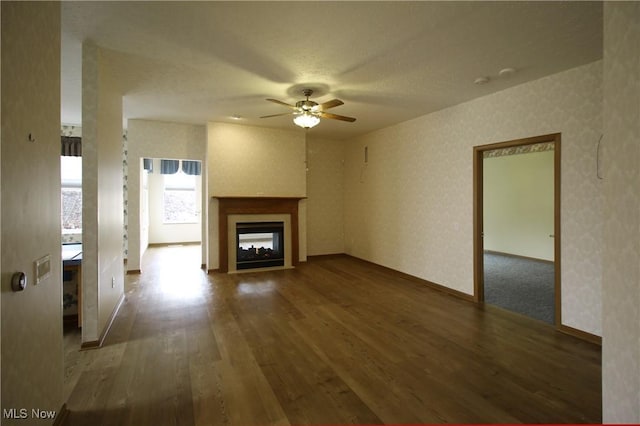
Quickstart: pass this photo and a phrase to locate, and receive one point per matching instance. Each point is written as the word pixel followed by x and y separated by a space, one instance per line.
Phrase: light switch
pixel 43 268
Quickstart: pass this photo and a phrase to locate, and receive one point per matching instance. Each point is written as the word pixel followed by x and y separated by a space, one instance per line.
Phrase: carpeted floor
pixel 520 285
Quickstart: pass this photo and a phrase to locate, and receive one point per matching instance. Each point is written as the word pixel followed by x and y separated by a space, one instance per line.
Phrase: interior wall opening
pixel 171 202
pixel 516 226
pixel 173 190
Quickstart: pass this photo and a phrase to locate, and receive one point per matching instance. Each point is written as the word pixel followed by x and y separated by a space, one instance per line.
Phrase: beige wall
pixel 254 161
pixel 410 207
pixel 518 204
pixel 621 173
pixel 157 139
pixel 32 355
pixel 325 192
pixel 102 209
pixel 247 161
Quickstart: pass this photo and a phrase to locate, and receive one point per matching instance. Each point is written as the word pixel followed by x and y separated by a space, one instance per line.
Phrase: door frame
pixel 478 214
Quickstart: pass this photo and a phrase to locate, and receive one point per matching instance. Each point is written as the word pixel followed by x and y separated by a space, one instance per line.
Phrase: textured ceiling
pixel 389 62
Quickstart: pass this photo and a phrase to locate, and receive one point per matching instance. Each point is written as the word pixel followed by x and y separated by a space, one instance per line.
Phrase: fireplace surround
pixel 238 209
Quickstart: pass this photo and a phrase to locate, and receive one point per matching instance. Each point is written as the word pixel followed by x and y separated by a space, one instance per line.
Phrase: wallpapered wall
pixel 410 207
pixel 621 172
pixel 254 161
pixel 32 349
pixel 102 194
pixel 325 192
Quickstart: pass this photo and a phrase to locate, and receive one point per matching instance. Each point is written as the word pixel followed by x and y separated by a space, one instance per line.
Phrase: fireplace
pixel 235 210
pixel 259 245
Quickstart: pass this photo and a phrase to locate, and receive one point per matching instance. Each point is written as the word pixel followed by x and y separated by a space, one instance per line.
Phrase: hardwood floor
pixel 334 341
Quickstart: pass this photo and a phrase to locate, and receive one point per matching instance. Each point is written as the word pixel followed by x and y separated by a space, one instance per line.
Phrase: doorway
pixel 519 146
pixel 171 203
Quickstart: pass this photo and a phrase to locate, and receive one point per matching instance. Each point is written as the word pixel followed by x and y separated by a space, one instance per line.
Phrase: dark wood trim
pixel 583 335
pixel 478 220
pixel 478 226
pixel 557 155
pixel 325 256
pixel 61 415
pixel 256 205
pixel 134 272
pixel 95 344
pixel 551 137
pixel 413 278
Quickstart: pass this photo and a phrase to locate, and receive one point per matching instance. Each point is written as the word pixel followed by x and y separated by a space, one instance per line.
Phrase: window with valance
pixel 147 164
pixel 192 168
pixel 169 167
pixel 71 146
pixel 189 167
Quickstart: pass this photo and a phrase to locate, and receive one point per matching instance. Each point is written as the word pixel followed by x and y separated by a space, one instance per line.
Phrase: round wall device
pixel 19 281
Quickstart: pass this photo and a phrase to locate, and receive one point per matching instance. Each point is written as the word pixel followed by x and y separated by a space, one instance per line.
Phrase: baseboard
pixel 592 338
pixel 134 272
pixel 517 256
pixel 188 243
pixel 61 416
pixel 95 344
pixel 313 257
pixel 409 277
pixel 92 344
pixel 213 271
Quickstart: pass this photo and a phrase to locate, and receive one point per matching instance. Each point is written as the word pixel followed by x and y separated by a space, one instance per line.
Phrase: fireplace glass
pixel 259 245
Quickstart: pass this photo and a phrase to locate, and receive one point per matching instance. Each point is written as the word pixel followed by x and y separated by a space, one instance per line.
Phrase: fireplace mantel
pixel 256 205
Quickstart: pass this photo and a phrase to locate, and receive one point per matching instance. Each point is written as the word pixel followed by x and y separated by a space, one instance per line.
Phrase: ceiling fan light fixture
pixel 307 113
pixel 306 120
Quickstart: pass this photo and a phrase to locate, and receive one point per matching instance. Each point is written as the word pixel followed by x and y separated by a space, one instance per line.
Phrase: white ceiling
pixel 389 62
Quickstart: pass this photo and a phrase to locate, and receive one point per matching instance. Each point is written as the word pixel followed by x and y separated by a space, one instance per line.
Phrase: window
pixel 71 178
pixel 180 204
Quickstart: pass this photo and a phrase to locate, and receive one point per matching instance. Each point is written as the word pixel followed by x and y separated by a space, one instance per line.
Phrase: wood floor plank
pixel 309 390
pixel 334 341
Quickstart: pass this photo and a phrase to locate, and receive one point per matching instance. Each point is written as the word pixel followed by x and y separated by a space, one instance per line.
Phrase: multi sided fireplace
pixel 234 210
pixel 259 244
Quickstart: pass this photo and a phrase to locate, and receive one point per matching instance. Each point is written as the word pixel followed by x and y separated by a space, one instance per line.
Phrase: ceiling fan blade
pixel 276 115
pixel 282 103
pixel 335 116
pixel 329 104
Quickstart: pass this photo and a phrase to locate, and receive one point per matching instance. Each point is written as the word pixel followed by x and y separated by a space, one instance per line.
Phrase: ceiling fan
pixel 307 114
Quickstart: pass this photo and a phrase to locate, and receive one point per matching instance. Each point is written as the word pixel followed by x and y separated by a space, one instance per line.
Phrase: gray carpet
pixel 520 285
